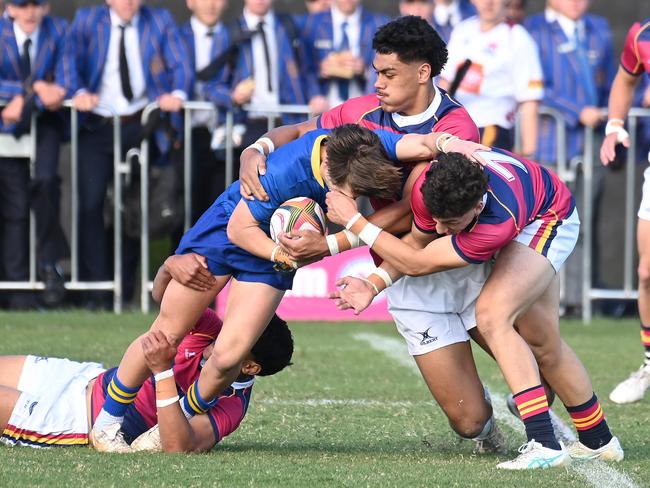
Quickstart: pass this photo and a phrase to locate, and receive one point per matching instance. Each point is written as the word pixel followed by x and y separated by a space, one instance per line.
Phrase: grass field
pixel 351 411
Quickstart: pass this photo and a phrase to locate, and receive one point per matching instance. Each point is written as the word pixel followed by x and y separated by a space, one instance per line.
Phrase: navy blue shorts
pixel 208 237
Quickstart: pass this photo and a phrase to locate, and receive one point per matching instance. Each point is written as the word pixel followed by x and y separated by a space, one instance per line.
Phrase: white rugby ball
pixel 300 213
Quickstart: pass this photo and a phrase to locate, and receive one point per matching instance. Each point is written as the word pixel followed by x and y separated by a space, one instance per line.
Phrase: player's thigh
pixel 8 399
pixel 643 245
pixel 540 324
pixel 182 306
pixel 11 367
pixel 249 309
pixel 520 276
pixel 451 375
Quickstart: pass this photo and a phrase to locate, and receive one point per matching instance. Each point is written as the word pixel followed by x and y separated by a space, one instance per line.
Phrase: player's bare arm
pixel 245 232
pixel 620 101
pixel 177 434
pixel 439 255
pixel 253 162
pixel 424 147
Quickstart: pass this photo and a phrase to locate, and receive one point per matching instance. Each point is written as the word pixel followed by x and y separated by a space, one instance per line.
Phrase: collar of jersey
pixel 315 159
pixel 429 113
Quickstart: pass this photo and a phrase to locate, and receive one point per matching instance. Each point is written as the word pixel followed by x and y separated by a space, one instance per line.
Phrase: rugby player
pixel 465 213
pixel 47 402
pixel 635 60
pixel 233 236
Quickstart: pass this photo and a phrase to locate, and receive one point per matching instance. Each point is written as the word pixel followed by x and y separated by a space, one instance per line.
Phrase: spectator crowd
pixel 116 58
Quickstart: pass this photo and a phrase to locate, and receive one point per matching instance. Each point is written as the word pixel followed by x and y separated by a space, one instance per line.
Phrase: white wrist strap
pixel 613 127
pixel 374 287
pixel 444 144
pixel 332 244
pixel 353 239
pixel 273 253
pixel 351 222
pixel 441 138
pixel 164 374
pixel 383 274
pixel 268 142
pixel 257 147
pixel 369 234
pixel 167 402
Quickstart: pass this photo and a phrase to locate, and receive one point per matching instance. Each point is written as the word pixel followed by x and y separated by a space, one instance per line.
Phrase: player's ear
pixel 424 73
pixel 250 367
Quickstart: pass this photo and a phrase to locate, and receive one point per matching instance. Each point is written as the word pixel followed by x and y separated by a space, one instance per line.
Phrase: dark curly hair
pixel 453 185
pixel 412 39
pixel 274 348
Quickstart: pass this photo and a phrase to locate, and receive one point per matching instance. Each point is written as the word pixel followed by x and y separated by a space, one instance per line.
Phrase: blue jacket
pixel 564 89
pixel 49 65
pixel 466 11
pixel 318 39
pixel 165 61
pixel 292 85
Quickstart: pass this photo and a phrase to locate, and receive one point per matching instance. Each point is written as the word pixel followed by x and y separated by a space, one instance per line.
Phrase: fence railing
pixel 121 168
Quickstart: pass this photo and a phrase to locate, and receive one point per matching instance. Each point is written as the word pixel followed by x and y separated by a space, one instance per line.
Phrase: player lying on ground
pixel 524 214
pixel 233 237
pixel 48 402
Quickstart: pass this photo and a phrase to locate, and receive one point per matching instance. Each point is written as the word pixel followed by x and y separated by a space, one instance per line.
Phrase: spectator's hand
pixel 328 66
pixel 158 352
pixel 14 109
pixel 356 65
pixel 85 102
pixel 251 165
pixel 340 208
pixel 354 293
pixel 170 103
pixel 190 270
pixel 304 245
pixel 50 94
pixel 591 117
pixel 243 92
pixel 318 104
pixel 608 149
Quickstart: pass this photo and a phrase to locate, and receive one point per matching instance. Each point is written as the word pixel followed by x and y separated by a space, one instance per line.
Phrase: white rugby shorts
pixel 437 310
pixel 51 410
pixel 644 207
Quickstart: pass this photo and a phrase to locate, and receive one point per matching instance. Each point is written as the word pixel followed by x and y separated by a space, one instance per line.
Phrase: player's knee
pixel 644 274
pixel 489 322
pixel 468 426
pixel 226 359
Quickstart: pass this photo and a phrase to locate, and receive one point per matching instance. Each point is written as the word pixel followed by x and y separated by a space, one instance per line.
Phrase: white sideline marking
pixel 596 473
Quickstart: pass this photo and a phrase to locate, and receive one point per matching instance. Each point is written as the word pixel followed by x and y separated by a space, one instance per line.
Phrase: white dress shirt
pixel 568 25
pixel 202 57
pixel 21 37
pixel 353 30
pixel 110 88
pixel 262 96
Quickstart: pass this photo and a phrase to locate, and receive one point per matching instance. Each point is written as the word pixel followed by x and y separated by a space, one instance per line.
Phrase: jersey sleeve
pixel 208 324
pixel 459 123
pixel 483 241
pixel 228 413
pixel 349 112
pixel 421 216
pixel 527 70
pixel 204 332
pixel 630 60
pixel 389 140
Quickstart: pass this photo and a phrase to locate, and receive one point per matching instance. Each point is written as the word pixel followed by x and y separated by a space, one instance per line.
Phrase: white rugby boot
pixel 632 389
pixel 109 439
pixel 533 455
pixel 148 441
pixel 612 451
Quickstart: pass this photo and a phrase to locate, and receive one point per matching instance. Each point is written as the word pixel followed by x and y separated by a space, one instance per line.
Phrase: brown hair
pixel 355 155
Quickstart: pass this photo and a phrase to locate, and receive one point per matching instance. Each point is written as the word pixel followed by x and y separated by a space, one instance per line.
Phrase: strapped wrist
pixel 167 402
pixel 268 142
pixel 257 147
pixel 352 221
pixel 168 373
pixel 369 234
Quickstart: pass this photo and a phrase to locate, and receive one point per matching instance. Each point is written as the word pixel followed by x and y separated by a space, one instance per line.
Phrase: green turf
pixel 389 434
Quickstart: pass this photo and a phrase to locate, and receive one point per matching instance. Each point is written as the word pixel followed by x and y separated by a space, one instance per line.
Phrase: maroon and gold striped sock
pixel 533 408
pixel 645 340
pixel 589 420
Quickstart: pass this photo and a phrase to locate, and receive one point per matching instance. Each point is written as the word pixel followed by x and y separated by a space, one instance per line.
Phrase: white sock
pixel 104 419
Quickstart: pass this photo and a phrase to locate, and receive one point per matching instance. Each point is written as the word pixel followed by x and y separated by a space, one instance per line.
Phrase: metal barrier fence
pixel 565 170
pixel 119 168
pixel 628 291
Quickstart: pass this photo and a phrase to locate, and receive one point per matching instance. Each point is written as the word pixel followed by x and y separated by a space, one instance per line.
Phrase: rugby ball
pixel 300 213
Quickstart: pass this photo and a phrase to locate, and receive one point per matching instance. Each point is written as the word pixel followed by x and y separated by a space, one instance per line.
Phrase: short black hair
pixel 412 38
pixel 274 348
pixel 453 185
